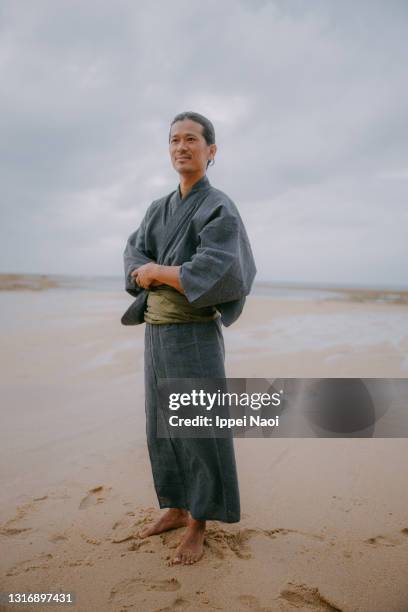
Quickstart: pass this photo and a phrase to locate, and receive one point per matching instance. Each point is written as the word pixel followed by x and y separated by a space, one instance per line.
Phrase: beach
pixel 324 522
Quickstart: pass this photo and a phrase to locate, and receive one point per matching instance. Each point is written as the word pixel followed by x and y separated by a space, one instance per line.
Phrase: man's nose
pixel 182 146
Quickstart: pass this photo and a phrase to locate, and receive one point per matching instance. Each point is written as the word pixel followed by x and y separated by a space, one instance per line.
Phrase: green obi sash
pixel 167 305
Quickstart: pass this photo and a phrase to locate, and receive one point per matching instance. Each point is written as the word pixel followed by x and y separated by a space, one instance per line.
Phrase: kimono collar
pixel 203 183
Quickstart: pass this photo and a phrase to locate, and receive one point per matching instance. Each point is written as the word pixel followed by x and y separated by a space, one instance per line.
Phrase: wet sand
pixel 324 522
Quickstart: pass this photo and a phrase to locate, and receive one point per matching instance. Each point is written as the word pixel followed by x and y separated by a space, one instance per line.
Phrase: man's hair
pixel 208 131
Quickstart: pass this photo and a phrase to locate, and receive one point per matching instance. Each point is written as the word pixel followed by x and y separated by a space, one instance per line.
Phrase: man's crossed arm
pixel 152 274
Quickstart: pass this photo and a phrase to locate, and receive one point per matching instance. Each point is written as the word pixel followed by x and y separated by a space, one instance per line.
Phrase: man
pixel 192 255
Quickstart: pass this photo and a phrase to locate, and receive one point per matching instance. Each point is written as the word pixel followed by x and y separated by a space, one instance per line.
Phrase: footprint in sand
pixel 135 586
pixel 178 605
pixel 134 546
pixel 57 537
pixel 304 597
pixel 94 496
pixel 252 603
pixel 387 540
pixel 90 540
pixel 9 529
pixel 12 531
pixel 123 538
pixel 135 541
pixel 381 541
pixel 273 533
pixel 38 563
pixel 126 529
pixel 220 541
pixel 127 520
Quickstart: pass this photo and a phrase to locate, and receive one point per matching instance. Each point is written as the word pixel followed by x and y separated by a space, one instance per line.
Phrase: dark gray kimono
pixel 203 234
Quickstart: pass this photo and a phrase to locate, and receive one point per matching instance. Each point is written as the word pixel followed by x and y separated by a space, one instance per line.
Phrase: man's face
pixel 189 150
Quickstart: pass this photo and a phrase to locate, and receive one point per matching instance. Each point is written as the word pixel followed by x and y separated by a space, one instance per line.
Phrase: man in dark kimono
pixel 190 266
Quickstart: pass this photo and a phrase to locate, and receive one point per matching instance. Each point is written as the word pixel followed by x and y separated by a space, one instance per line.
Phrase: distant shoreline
pixel 42 282
pixel 352 294
pixel 26 282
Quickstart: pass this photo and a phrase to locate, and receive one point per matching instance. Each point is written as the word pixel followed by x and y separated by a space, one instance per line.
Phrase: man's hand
pixel 152 275
pixel 145 276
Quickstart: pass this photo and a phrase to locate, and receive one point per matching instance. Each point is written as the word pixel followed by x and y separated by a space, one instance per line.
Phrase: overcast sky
pixel 310 104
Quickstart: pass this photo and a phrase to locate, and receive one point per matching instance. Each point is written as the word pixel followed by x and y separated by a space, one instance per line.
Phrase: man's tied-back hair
pixel 208 131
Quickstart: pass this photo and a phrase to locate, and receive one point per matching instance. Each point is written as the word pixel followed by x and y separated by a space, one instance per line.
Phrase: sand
pixel 324 524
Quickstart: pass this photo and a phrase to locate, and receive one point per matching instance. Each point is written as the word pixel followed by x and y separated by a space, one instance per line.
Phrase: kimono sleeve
pixel 223 268
pixel 135 256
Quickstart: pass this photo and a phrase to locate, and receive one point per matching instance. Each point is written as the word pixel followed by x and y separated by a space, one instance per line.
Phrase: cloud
pixel 309 102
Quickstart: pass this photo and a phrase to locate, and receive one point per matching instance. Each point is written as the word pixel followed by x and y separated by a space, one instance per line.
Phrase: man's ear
pixel 213 151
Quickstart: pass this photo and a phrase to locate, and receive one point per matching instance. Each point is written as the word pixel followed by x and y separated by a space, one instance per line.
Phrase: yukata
pixel 204 234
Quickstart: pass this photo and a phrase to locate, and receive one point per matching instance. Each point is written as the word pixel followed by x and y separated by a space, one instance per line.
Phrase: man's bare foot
pixel 191 548
pixel 172 519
